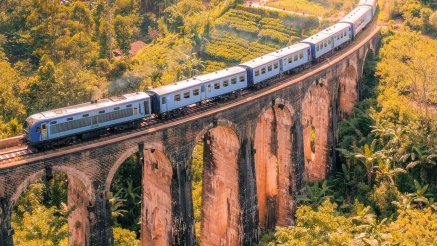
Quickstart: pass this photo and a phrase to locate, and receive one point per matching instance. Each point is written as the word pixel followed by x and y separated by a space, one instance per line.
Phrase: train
pixel 87 120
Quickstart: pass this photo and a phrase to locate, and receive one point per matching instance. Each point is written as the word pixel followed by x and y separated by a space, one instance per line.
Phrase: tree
pixel 125 31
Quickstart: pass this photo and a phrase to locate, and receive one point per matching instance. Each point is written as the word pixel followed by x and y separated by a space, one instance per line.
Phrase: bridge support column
pixel 100 221
pixel 6 230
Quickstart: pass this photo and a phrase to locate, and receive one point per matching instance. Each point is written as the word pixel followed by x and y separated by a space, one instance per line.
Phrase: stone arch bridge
pixel 258 153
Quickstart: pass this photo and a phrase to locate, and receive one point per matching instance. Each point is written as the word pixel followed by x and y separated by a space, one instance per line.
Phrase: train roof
pixel 262 60
pixel 188 83
pixel 356 13
pixel 289 50
pixel 368 2
pixel 316 38
pixel 335 28
pixel 222 73
pixel 89 106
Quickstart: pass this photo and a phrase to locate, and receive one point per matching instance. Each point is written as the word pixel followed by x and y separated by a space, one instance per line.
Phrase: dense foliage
pixel 384 190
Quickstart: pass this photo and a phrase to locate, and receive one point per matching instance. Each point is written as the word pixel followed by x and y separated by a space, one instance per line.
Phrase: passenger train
pixel 87 120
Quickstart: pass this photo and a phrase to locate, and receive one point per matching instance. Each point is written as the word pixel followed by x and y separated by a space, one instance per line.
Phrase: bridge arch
pixel 80 219
pixel 315 121
pixel 220 210
pixel 156 197
pixel 348 90
pixel 273 144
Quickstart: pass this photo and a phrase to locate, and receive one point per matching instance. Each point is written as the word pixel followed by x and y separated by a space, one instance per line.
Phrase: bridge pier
pixel 6 230
pixel 100 221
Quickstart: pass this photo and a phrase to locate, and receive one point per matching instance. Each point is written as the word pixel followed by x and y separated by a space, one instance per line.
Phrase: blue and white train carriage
pixel 261 69
pixel 71 121
pixel 321 44
pixel 358 18
pixel 183 93
pixel 292 57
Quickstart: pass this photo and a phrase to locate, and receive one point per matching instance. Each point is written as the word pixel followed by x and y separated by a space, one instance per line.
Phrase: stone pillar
pixel 100 220
pixel 6 231
pixel 221 220
pixel 78 220
pixel 156 211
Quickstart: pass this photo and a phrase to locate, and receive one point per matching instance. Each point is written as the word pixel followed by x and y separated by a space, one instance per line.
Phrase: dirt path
pixel 262 5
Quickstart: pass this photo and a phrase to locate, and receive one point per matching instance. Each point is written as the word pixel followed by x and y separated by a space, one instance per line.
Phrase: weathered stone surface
pixel 348 91
pixel 221 224
pixel 273 167
pixel 156 211
pixel 315 117
pixel 78 221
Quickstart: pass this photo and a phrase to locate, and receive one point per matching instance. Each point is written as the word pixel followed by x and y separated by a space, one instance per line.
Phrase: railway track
pixel 17 152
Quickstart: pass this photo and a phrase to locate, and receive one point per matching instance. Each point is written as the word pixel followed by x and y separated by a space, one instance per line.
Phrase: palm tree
pixel 385 173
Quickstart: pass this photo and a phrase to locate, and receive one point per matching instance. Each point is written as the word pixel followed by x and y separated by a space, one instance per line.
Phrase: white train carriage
pixel 261 69
pixel 371 3
pixel 293 56
pixel 340 33
pixel 358 18
pixel 78 119
pixel 183 93
pixel 321 43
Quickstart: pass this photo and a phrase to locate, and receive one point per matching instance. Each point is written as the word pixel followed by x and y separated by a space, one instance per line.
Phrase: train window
pixel 101 111
pixel 202 88
pixel 196 91
pixel 53 122
pixel 301 54
pixel 295 57
pixel 234 80
pixel 290 59
pixel 269 68
pixel 129 106
pixel 187 94
pixel 325 43
pixel 263 70
pixel 43 126
pixel 275 65
pixel 242 78
pixel 70 119
pixel 345 33
pixel 209 88
pixel 177 97
pixel 117 108
pixel 225 83
pixel 329 41
pixel 256 72
pixel 217 85
pixel 163 100
pixel 85 115
pixel 317 47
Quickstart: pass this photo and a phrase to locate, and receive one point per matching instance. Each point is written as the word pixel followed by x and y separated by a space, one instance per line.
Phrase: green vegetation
pixel 322 8
pixel 385 187
pixel 197 174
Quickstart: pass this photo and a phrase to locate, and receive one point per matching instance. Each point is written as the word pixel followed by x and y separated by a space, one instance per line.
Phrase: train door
pixel 146 107
pixel 203 95
pixel 281 65
pixel 44 132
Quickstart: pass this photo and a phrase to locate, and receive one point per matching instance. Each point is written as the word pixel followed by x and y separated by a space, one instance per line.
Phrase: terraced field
pixel 244 33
